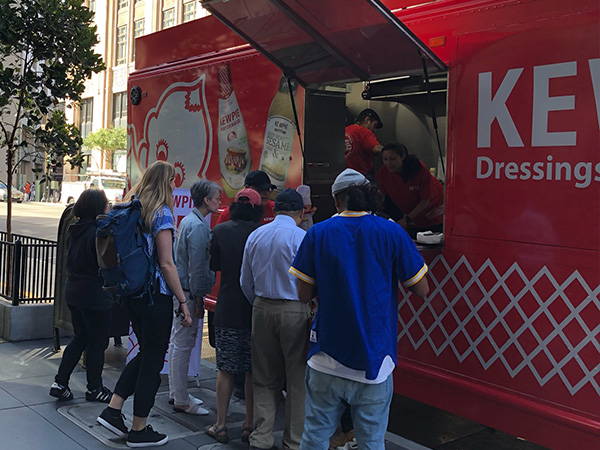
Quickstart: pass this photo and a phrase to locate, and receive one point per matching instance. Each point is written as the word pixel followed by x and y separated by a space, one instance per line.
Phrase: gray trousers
pixel 279 341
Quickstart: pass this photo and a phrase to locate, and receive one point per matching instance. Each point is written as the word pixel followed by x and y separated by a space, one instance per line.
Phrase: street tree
pixel 46 55
pixel 107 139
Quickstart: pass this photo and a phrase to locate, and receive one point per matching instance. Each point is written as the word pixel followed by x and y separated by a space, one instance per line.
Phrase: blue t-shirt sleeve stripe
pixel 302 276
pixel 417 277
pixel 303 266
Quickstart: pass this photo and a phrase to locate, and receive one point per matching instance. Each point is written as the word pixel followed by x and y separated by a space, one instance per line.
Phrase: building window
pixel 122 4
pixel 86 112
pixel 138 27
pixel 121 51
pixel 168 18
pixel 189 11
pixel 119 112
pixel 138 30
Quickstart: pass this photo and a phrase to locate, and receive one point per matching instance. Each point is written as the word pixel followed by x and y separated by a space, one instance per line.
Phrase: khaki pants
pixel 279 339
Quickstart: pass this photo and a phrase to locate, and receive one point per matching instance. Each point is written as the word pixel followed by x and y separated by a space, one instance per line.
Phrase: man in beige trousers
pixel 279 322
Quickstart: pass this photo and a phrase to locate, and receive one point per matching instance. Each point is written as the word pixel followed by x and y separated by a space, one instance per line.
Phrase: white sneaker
pixel 192 400
pixel 195 400
pixel 352 445
pixel 193 409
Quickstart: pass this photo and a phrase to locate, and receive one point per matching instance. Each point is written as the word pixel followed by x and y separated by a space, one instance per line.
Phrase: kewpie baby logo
pixel 178 129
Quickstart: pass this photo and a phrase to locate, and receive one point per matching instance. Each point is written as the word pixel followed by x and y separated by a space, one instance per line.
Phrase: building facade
pixel 29 160
pixel 104 102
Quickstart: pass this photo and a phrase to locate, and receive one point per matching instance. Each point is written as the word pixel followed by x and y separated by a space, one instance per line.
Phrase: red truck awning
pixel 324 41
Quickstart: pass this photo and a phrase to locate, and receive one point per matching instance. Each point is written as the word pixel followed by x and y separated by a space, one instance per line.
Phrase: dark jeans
pixel 152 327
pixel 91 334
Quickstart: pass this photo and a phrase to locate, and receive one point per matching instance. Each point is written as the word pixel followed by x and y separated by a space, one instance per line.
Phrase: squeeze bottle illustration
pixel 234 153
pixel 279 135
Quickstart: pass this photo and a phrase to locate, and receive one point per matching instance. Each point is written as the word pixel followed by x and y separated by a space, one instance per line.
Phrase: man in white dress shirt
pixel 279 322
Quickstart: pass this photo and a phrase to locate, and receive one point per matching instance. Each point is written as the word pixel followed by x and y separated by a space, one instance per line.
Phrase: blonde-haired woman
pixel 151 320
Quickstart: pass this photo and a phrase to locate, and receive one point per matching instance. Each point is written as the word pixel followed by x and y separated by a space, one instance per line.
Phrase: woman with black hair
pixel 89 304
pixel 233 316
pixel 414 197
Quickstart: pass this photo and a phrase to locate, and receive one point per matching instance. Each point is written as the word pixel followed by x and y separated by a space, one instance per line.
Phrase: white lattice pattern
pixel 443 317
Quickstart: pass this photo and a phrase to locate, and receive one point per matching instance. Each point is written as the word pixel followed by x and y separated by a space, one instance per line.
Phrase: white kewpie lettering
pixel 511 170
pixel 543 104
pixel 499 166
pixel 538 169
pixel 525 171
pixel 595 74
pixel 481 173
pixel 490 108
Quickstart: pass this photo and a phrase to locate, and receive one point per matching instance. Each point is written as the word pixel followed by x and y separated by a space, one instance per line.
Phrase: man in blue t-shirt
pixel 352 263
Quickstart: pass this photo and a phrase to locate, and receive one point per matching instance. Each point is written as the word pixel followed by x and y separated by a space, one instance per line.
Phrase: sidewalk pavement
pixel 32 420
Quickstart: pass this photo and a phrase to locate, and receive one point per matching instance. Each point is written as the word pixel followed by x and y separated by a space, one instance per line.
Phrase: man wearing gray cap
pixel 279 322
pixel 354 261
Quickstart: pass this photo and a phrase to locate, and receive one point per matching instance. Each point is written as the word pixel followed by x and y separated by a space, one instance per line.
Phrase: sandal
pixel 218 434
pixel 246 432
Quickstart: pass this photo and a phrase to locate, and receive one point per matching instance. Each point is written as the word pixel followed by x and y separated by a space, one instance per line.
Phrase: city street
pixel 33 219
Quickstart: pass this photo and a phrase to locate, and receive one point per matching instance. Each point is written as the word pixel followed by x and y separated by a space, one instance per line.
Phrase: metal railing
pixel 27 269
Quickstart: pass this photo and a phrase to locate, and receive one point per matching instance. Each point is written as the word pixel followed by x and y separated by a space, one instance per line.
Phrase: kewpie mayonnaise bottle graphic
pixel 234 154
pixel 279 135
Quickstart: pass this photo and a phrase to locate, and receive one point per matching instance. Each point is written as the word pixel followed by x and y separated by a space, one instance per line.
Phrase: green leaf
pixel 107 139
pixel 46 56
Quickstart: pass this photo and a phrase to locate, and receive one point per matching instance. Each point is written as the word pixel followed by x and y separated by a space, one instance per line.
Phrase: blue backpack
pixel 121 249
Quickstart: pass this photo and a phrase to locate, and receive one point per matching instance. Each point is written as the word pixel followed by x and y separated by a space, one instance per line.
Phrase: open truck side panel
pixel 508 336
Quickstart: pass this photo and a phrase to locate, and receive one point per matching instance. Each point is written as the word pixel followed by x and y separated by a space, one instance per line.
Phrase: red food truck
pixel 500 99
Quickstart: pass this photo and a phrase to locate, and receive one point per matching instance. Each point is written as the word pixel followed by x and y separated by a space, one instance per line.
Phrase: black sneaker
pixel 146 438
pixel 101 395
pixel 62 393
pixel 113 420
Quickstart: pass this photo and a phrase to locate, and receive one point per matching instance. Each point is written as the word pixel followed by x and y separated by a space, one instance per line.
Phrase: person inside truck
pixel 413 197
pixel 260 182
pixel 361 143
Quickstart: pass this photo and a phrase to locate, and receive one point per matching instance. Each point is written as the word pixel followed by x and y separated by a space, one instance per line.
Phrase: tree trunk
pixel 9 178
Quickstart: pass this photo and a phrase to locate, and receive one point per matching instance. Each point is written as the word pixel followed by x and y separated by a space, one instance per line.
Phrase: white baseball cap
pixel 347 178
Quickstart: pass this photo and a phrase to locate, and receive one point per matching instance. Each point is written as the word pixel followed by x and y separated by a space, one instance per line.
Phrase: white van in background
pixel 113 187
